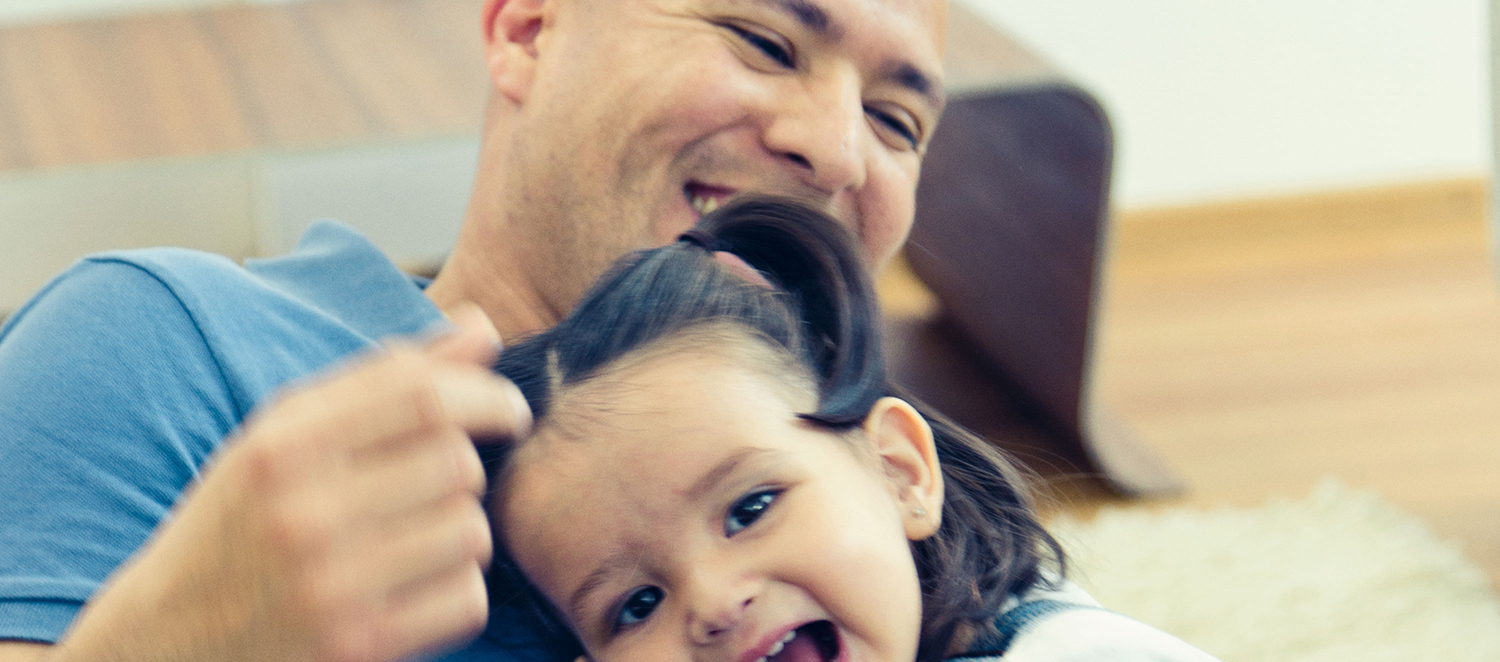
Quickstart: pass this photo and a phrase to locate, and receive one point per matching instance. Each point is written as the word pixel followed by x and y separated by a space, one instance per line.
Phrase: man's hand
pixel 342 522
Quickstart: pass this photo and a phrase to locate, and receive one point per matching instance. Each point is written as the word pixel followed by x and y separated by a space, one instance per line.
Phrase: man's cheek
pixel 887 206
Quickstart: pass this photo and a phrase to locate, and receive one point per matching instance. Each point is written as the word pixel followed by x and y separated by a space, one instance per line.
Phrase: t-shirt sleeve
pixel 110 401
pixel 1096 635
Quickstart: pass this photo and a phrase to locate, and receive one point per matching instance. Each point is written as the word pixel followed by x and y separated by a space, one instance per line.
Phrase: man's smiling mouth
pixel 704 198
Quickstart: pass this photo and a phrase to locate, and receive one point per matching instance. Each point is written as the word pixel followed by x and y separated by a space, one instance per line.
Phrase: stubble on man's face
pixel 639 103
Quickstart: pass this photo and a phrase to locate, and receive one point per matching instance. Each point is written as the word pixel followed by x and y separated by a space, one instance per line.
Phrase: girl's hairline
pixel 788 376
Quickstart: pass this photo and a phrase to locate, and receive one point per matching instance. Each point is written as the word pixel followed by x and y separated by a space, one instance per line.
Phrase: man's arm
pixel 341 522
pixel 20 651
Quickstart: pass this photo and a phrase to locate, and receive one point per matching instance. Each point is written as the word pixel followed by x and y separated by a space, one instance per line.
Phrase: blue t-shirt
pixel 125 373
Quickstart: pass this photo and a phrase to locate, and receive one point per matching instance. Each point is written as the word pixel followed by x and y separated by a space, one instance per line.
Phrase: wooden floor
pixel 1261 346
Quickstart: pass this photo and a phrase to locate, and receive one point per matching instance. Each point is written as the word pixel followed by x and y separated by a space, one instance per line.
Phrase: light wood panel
pixel 313 74
pixel 1263 345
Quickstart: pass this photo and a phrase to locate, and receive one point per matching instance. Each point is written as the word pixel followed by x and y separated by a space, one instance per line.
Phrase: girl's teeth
pixel 776 647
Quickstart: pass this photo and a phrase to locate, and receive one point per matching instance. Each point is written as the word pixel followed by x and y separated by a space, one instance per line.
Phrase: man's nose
pixel 819 132
pixel 718 604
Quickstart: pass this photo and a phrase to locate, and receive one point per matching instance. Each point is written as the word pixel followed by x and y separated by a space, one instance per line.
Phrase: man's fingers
pixel 473 340
pixel 429 545
pixel 392 483
pixel 397 398
pixel 442 613
pixel 484 405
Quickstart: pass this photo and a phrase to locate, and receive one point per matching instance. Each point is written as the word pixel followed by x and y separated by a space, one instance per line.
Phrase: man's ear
pixel 511 28
pixel 903 442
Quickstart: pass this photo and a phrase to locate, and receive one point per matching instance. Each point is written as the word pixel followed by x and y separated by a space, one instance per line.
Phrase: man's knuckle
pixel 484 550
pixel 299 531
pixel 417 391
pixel 471 476
pixel 351 641
pixel 471 607
pixel 477 540
pixel 263 465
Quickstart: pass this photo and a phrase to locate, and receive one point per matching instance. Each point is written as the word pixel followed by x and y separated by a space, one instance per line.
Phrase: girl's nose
pixel 709 628
pixel 718 606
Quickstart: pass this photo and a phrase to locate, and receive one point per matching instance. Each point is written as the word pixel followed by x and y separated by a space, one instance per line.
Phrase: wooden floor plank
pixel 301 75
pixel 1262 346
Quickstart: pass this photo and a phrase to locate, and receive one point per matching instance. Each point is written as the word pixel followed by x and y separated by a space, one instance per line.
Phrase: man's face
pixel 644 114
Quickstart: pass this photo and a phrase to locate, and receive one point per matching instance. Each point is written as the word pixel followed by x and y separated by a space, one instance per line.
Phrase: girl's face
pixel 678 510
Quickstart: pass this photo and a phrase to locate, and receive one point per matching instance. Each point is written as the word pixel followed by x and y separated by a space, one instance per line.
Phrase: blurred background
pixel 1298 282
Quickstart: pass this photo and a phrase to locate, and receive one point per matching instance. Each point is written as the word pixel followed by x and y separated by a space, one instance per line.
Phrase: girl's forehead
pixel 631 469
pixel 637 429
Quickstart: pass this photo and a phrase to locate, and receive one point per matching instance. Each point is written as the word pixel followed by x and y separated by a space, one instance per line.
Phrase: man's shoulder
pixel 136 283
pixel 177 318
pixel 116 295
pixel 161 293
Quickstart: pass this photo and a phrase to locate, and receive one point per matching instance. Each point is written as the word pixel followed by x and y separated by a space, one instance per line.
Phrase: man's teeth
pixel 705 203
pixel 776 647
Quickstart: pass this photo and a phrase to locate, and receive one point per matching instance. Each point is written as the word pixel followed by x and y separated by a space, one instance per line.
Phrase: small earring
pixel 919 511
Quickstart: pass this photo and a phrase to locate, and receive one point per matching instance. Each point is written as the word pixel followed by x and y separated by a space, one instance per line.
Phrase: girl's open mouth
pixel 817 641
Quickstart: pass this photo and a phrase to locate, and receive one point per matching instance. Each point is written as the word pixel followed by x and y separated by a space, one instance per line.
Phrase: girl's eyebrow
pixel 629 557
pixel 711 478
pixel 624 559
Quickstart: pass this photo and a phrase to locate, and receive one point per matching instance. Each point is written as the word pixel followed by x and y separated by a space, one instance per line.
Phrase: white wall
pixel 407 197
pixel 1232 98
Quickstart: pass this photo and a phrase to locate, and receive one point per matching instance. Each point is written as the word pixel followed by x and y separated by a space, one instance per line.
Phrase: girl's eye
pixel 900 127
pixel 638 606
pixel 782 55
pixel 745 511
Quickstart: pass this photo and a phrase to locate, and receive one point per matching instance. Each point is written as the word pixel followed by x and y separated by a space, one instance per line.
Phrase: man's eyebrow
pixel 904 74
pixel 907 75
pixel 811 16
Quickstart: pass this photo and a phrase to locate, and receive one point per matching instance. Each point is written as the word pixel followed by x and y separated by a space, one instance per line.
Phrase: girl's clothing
pixel 1068 625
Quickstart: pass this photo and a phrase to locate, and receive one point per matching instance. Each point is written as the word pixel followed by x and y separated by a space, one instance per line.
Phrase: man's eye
pixel 745 511
pixel 900 127
pixel 638 606
pixel 773 50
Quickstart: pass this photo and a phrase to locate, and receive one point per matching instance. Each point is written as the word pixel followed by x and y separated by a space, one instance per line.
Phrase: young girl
pixel 720 471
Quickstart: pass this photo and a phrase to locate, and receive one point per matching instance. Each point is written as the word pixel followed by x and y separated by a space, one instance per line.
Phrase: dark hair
pixel 823 314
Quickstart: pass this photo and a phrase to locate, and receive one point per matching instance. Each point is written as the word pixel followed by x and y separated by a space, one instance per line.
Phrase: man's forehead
pixel 923 22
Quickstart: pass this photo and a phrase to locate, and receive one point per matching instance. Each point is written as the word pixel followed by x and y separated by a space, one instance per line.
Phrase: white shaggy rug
pixel 1339 576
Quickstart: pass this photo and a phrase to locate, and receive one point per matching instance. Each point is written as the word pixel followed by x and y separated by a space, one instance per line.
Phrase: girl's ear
pixel 511 29
pixel 903 442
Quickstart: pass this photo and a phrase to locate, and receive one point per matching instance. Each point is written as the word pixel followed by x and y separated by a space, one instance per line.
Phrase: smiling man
pixel 614 124
pixel 202 461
